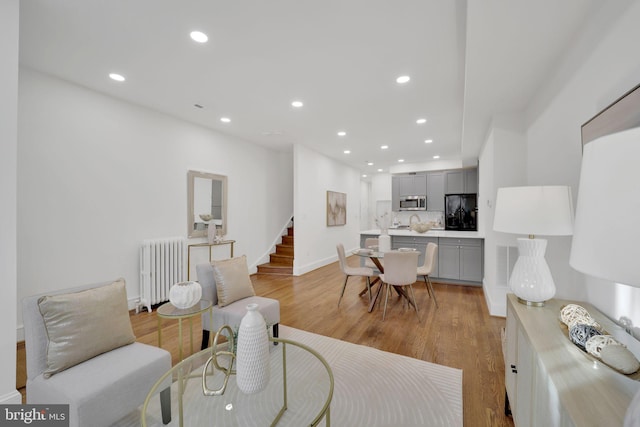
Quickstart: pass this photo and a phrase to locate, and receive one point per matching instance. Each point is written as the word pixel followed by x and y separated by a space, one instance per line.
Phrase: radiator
pixel 162 263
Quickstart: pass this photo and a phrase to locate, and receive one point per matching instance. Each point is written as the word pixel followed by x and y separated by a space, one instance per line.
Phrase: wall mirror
pixel 206 204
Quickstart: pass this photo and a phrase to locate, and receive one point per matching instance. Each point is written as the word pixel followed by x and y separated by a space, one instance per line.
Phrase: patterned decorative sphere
pixel 596 343
pixel 573 314
pixel 579 334
pixel 185 294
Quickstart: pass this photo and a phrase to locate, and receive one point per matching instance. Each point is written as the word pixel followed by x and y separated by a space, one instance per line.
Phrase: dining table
pixel 375 256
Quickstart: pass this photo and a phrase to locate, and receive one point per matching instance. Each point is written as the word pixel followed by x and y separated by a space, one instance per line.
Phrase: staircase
pixel 281 262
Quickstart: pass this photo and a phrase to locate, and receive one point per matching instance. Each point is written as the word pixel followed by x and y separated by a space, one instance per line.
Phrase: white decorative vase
pixel 252 356
pixel 185 294
pixel 384 243
pixel 211 232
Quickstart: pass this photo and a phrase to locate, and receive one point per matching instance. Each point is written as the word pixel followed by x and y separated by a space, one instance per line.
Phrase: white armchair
pixel 231 314
pixel 63 327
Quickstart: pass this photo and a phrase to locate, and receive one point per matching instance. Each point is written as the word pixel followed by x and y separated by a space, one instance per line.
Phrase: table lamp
pixel 606 241
pixel 542 210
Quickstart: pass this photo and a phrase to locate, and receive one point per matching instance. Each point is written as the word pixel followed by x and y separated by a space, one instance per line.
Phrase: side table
pixel 169 311
pixel 210 245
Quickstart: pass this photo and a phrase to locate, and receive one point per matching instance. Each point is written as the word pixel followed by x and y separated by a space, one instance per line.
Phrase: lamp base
pixel 531 279
pixel 531 303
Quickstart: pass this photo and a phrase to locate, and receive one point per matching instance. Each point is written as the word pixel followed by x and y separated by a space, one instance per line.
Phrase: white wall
pixel 314 175
pixel 501 164
pixel 9 14
pixel 97 175
pixel 602 66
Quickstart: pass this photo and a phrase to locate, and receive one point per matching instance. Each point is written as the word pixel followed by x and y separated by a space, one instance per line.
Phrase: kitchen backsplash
pixel 425 216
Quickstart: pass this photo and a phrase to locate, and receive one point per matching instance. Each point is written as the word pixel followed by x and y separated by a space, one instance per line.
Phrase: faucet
pixel 411 219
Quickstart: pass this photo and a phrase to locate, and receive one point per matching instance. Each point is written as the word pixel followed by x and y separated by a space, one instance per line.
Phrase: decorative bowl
pixel 421 227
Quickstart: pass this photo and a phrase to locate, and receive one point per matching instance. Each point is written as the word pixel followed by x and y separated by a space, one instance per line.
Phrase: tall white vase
pixel 252 357
pixel 211 232
pixel 384 243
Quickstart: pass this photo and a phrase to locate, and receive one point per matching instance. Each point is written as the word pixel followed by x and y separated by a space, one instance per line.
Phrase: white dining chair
pixel 400 270
pixel 427 268
pixel 348 271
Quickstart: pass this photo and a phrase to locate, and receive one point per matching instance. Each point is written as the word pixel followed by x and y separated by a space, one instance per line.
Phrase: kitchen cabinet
pixel 470 177
pixel 551 382
pixel 412 185
pixel 395 194
pixel 461 181
pixel 435 191
pixel 454 181
pixel 418 243
pixel 460 259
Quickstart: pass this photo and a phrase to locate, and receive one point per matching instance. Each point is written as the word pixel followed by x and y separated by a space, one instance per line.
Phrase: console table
pixel 210 246
pixel 550 381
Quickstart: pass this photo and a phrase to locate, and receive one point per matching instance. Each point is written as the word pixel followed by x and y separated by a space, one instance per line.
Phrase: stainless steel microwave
pixel 413 203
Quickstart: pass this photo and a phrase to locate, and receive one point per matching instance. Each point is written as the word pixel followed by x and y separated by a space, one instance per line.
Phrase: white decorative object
pixel 252 357
pixel 384 243
pixel 596 343
pixel 211 232
pixel 185 294
pixel 546 210
pixel 573 314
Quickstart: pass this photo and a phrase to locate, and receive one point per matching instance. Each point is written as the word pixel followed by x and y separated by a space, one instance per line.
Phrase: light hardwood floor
pixel 459 334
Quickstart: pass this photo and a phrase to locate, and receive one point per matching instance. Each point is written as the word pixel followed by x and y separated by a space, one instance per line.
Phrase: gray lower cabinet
pixel 456 259
pixel 417 243
pixel 460 259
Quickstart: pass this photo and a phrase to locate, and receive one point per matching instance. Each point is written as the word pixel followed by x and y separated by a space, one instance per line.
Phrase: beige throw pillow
pixel 232 280
pixel 84 324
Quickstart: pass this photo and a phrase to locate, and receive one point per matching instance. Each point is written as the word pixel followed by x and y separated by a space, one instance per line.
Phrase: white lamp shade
pixel 606 241
pixel 537 210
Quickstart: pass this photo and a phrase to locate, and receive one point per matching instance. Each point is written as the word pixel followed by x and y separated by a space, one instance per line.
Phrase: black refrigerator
pixel 461 212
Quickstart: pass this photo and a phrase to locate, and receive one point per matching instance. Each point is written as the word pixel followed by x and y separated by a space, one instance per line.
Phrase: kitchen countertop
pixel 430 233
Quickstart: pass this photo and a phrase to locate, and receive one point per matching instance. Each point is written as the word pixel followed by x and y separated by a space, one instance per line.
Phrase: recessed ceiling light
pixel 297 104
pixel 117 77
pixel 384 147
pixel 421 121
pixel 403 79
pixel 436 157
pixel 342 133
pixel 400 160
pixel 199 36
pixel 379 170
pixel 347 151
pixel 225 119
pixel 428 141
pixel 364 175
pixel 369 163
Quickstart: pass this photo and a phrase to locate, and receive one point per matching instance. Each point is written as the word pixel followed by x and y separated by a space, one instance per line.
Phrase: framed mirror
pixel 206 203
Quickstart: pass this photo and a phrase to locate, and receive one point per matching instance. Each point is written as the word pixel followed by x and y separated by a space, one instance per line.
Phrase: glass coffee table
pixel 299 392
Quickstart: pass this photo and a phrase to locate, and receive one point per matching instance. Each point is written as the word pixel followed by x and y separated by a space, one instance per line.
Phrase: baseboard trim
pixel 12 398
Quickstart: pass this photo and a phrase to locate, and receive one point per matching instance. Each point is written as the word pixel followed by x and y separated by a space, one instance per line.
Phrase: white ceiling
pixel 467 60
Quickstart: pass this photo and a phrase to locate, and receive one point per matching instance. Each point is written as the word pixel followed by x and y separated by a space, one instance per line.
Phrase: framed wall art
pixel 336 208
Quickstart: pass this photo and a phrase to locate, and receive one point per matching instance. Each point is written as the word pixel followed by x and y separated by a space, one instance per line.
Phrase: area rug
pixel 372 388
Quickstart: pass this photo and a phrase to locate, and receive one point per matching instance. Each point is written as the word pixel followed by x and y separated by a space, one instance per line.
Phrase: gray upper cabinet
pixel 395 194
pixel 435 191
pixel 461 181
pixel 471 180
pixel 413 185
pixel 454 182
